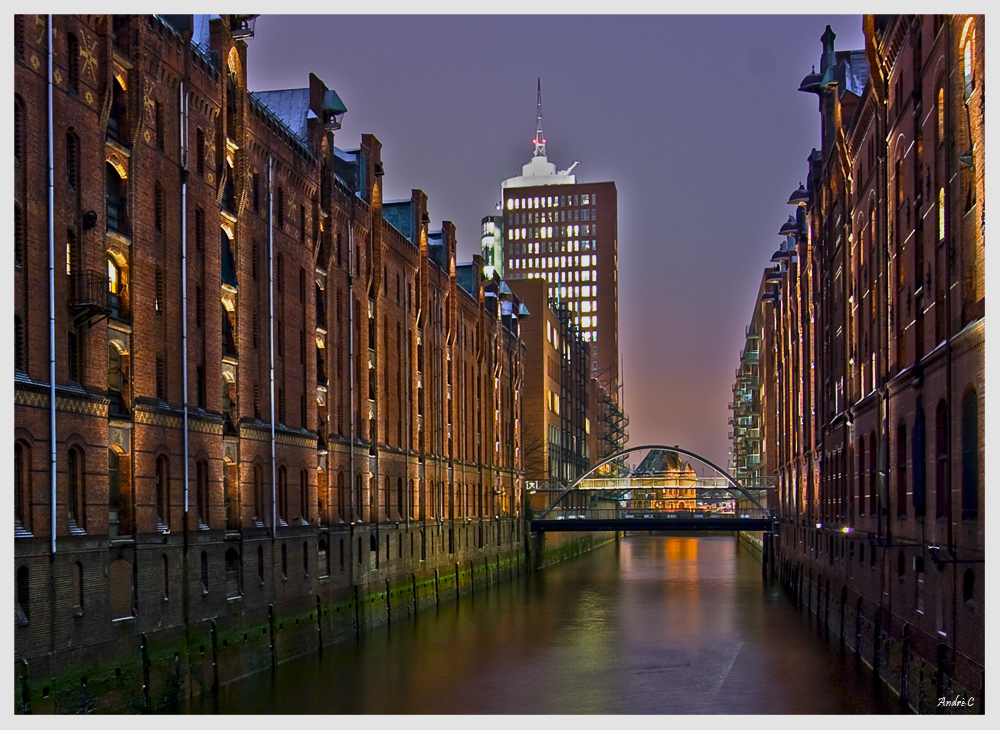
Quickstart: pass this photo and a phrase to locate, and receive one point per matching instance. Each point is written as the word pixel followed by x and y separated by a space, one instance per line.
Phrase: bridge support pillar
pixel 539 549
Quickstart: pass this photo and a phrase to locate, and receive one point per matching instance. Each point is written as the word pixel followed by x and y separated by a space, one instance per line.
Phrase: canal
pixel 652 625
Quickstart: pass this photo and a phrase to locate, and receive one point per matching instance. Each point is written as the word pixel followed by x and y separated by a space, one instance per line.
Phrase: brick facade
pixel 212 239
pixel 875 339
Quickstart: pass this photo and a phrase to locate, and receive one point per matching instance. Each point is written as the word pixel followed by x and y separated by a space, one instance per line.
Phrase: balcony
pixel 88 295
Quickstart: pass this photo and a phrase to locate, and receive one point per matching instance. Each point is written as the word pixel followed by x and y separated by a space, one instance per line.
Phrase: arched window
pixel 114 493
pixel 400 504
pixel 228 260
pixel 969 58
pixel 76 489
pixel 116 288
pixel 258 492
pixel 304 495
pixel 874 497
pixel 72 252
pixel 158 207
pixel 20 361
pixel 162 492
pixel 201 493
pixel 158 107
pixel 159 292
pixel 919 462
pixel 861 476
pixel 116 204
pixel 969 587
pixel 116 377
pixel 282 496
pixel 22 485
pixel 19 235
pixel 118 118
pixel 901 470
pixel 229 189
pixel 939 129
pixel 72 162
pixel 970 456
pixel 358 511
pixel 23 596
pixel 18 132
pixel 231 106
pixel 941 439
pixel 341 496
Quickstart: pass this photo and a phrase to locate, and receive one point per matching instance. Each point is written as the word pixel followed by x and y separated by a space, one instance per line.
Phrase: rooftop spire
pixel 539 134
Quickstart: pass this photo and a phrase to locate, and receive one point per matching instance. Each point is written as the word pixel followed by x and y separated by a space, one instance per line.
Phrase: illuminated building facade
pixel 875 331
pixel 492 245
pixel 559 434
pixel 566 232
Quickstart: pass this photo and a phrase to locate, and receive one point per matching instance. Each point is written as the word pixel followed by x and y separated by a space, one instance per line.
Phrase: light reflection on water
pixel 654 625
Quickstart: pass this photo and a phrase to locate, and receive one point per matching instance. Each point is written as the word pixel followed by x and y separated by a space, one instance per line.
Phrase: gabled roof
pixel 290 106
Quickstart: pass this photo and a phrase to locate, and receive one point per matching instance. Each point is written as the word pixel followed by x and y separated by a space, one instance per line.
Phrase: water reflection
pixel 655 625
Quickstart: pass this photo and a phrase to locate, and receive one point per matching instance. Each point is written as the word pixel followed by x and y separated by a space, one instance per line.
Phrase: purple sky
pixel 697 119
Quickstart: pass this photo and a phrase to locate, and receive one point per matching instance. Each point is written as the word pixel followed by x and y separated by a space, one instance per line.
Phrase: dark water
pixel 656 625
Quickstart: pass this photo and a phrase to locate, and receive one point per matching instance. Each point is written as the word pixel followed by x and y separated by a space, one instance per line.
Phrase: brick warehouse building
pixel 876 339
pixel 338 435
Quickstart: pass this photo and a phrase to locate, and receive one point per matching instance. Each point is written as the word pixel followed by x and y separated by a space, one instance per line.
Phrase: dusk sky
pixel 697 120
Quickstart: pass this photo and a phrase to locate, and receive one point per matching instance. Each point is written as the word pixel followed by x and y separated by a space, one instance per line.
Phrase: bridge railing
pixel 638 510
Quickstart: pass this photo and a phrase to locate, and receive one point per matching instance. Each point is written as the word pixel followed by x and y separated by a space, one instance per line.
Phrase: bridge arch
pixel 574 486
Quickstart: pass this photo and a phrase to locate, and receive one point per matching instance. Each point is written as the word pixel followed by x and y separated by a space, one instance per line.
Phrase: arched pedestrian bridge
pixel 662 492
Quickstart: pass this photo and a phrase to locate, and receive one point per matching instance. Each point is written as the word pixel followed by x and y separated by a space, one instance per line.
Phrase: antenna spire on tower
pixel 539 135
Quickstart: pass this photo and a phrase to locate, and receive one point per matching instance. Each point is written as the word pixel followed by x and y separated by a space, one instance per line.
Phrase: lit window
pixel 585 276
pixel 593 275
pixel 594 305
pixel 969 54
pixel 585 260
pixel 535 204
pixel 940 214
pixel 114 277
pixel 510 204
pixel 940 115
pixel 585 322
pixel 585 306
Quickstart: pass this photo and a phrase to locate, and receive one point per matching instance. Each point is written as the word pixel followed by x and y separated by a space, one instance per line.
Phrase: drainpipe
pixel 350 357
pixel 270 304
pixel 949 237
pixel 184 295
pixel 52 308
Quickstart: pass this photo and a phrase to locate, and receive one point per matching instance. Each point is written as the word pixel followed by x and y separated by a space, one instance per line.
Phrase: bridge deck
pixel 657 524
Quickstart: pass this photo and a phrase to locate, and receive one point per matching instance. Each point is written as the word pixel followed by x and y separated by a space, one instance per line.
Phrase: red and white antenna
pixel 539 134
